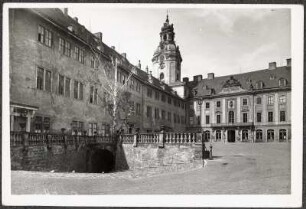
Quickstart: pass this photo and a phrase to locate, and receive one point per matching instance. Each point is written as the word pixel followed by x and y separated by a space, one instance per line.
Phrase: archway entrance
pixel 231 135
pixel 102 161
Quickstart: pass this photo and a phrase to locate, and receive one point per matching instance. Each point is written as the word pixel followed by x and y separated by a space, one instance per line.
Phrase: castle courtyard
pixel 238 168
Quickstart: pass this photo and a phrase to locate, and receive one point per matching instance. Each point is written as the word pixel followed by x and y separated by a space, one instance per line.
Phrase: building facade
pixel 254 106
pixel 58 73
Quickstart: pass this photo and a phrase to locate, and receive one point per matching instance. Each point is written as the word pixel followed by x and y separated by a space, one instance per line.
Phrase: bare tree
pixel 116 96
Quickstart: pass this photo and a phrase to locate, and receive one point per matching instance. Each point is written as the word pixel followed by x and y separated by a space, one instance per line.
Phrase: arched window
pixel 207 136
pixel 282 135
pixel 218 135
pixel 282 82
pixel 165 37
pixel 245 135
pixel 161 76
pixel 231 117
pixel 259 135
pixel 270 135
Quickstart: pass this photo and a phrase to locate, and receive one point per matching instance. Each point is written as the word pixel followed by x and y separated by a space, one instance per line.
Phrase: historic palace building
pixel 57 73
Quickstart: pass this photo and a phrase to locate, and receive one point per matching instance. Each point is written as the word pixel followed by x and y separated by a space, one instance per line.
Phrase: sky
pixel 222 41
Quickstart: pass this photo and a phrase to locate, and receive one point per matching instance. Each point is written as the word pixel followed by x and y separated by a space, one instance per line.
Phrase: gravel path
pixel 236 169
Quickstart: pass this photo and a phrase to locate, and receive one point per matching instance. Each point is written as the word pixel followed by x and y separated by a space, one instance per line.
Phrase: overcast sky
pixel 223 41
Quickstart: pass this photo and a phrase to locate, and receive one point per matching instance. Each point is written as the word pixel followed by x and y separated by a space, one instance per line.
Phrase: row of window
pixel 270 101
pixel 176 103
pixel 132 83
pixel 45 37
pixel 231 117
pixel 44 82
pixel 162 115
pixel 258 135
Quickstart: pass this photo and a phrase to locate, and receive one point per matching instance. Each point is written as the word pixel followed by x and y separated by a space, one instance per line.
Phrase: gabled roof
pixel 247 81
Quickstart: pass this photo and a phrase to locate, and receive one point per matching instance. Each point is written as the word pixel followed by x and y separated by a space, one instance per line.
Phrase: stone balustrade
pixel 161 138
pixel 36 139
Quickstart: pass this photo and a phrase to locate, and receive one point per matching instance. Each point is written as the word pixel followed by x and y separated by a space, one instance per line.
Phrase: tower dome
pixel 167 57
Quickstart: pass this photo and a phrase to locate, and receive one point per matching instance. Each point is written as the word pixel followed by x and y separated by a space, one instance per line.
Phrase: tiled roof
pixel 57 16
pixel 270 79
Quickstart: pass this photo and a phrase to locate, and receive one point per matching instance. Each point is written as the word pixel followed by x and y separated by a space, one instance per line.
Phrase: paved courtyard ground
pixel 236 169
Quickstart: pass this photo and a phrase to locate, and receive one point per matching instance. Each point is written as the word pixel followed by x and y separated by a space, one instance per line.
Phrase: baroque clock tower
pixel 167 57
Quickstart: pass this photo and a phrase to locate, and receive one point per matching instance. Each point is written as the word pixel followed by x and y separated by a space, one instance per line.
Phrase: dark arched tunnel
pixel 102 161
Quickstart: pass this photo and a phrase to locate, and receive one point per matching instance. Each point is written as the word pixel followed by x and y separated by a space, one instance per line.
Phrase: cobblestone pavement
pixel 236 169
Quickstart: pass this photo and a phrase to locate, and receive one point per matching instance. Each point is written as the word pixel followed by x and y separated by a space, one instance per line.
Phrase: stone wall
pixel 170 158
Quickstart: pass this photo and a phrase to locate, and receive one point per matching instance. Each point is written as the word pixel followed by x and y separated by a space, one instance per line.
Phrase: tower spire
pixel 167 19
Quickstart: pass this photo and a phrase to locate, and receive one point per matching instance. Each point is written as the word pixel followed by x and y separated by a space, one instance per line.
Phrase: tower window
pixel 161 76
pixel 165 37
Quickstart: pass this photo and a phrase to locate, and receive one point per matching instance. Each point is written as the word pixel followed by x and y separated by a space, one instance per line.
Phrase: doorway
pixel 231 135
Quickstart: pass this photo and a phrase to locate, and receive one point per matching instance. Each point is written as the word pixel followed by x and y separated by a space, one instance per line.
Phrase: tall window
pixel 43 79
pixel 218 135
pixel 198 120
pixel 92 131
pixel 207 136
pixel 40 78
pixel 156 95
pixel 149 92
pixel 81 56
pixel 282 99
pixel 218 103
pixel 77 127
pixel 231 116
pixel 169 116
pixel 270 135
pixel 163 98
pixel 245 117
pixel 67 49
pixel 258 116
pixel 270 100
pixel 163 114
pixel 207 105
pixel 67 87
pixel 244 101
pixel 270 116
pixel 149 111
pixel 93 95
pixel 282 135
pixel 259 135
pixel 258 100
pixel 169 100
pixel 245 135
pixel 282 116
pixel 207 119
pixel 156 113
pixel 138 109
pixel 44 36
pixel 61 45
pixel 61 80
pixel 78 90
pixel 218 118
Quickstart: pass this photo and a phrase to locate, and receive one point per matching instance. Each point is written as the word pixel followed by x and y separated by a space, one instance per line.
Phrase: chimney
pixel 65 11
pixel 113 47
pixel 76 19
pixel 197 78
pixel 210 76
pixel 139 65
pixel 288 62
pixel 124 55
pixel 186 79
pixel 150 76
pixel 272 65
pixel 99 36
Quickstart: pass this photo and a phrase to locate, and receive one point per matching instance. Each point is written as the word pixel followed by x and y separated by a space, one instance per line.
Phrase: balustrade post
pixel 25 140
pixel 135 138
pixel 49 141
pixel 161 139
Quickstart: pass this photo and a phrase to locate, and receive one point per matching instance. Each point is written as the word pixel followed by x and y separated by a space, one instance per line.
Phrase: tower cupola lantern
pixel 167 57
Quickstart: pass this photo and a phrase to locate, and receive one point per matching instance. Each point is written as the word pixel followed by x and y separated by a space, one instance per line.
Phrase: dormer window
pixel 282 82
pixel 259 85
pixel 195 91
